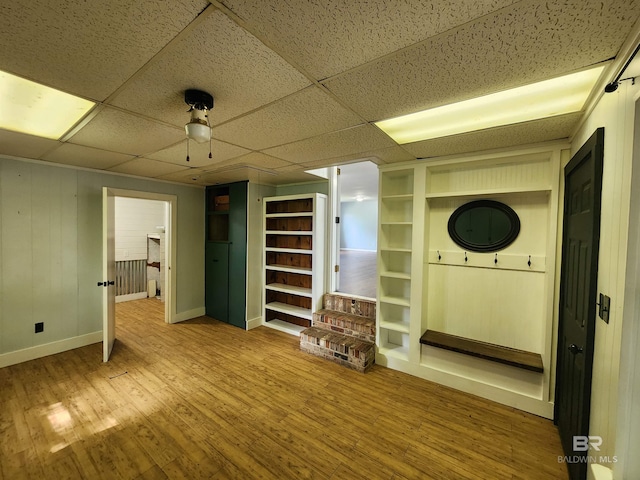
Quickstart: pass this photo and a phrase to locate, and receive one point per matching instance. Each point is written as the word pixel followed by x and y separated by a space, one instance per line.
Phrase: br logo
pixel 581 443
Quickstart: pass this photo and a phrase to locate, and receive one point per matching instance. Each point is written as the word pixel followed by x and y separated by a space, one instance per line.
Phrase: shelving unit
pixel 294 280
pixel 428 285
pixel 395 257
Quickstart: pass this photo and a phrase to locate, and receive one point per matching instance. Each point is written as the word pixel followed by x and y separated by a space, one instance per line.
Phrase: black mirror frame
pixel 496 246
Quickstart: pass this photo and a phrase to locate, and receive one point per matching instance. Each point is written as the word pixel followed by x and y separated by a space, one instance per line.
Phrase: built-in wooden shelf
pixel 488 351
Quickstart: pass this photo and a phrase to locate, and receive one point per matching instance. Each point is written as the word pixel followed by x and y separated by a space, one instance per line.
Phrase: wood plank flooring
pixel 202 399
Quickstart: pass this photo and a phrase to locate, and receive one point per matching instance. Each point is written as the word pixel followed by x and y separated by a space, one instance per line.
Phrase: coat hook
pixel 529 262
pixel 495 260
pixel 439 256
pixel 465 257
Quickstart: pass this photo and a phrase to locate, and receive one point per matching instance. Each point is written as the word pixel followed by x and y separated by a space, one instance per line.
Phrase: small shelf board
pixel 488 351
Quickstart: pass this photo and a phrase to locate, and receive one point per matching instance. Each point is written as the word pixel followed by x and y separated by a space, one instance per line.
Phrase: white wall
pixel 51 251
pixel 614 111
pixel 255 244
pixel 135 218
pixel 359 225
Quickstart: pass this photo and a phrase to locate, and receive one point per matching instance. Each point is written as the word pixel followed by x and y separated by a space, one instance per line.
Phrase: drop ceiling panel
pixel 383 155
pixel 530 41
pixel 23 145
pixel 219 57
pixel 88 48
pixel 87 157
pixel 198 153
pixel 260 160
pixel 302 115
pixel 537 131
pixel 121 132
pixel 147 168
pixel 329 37
pixel 191 176
pixel 349 141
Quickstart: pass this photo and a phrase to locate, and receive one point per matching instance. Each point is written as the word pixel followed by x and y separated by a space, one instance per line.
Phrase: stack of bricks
pixel 343 332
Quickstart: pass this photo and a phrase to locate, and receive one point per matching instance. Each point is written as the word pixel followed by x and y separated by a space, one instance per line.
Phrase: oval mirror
pixel 484 226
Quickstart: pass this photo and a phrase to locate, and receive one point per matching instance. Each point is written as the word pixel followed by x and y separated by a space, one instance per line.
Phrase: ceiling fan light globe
pixel 198 132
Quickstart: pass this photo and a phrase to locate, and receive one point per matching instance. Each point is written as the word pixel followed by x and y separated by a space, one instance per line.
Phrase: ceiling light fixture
pixel 35 109
pixel 549 98
pixel 198 128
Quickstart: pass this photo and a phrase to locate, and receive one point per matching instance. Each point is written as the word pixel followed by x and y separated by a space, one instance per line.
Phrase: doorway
pixel 166 231
pixel 578 288
pixel 356 240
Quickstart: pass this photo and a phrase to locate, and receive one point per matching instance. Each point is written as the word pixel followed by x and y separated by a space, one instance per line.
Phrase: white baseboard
pixel 189 314
pixel 52 348
pixel 254 322
pixel 131 296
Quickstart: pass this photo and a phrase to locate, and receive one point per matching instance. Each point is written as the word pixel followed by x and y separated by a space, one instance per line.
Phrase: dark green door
pixel 217 280
pixel 578 288
pixel 238 254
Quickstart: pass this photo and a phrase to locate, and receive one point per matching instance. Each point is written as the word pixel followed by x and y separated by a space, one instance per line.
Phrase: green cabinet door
pixel 238 254
pixel 217 280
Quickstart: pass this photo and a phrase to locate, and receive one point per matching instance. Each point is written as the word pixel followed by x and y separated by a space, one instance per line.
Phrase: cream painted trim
pixel 188 315
pixel 131 296
pixel 254 322
pixel 600 472
pixel 31 353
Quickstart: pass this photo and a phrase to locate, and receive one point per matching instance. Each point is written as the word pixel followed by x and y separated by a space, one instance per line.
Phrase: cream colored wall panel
pixel 615 113
pixel 121 132
pixel 17 262
pixel 66 38
pixel 302 115
pixel 527 42
pixel 221 58
pixel 81 156
pixel 485 372
pixel 533 211
pixel 69 258
pixel 199 153
pixel 351 140
pixel 495 306
pixel 22 145
pixel 329 37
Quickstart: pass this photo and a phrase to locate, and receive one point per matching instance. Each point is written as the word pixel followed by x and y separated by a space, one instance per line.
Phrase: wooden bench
pixel 488 351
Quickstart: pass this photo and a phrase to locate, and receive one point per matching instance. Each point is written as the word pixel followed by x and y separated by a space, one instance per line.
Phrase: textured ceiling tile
pixel 302 115
pixel 331 36
pixel 218 57
pixel 531 41
pixel 198 153
pixel 23 145
pixel 261 160
pixel 145 167
pixel 88 47
pixel 547 129
pixel 344 142
pixel 384 155
pixel 121 132
pixel 191 176
pixel 87 157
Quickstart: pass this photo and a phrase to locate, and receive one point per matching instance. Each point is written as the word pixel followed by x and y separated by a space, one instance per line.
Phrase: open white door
pixel 108 273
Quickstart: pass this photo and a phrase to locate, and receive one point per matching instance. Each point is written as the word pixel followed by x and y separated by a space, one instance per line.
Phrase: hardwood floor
pixel 202 399
pixel 358 273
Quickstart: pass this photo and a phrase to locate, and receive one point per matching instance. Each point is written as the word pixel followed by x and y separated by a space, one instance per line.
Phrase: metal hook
pixel 495 260
pixel 465 257
pixel 529 262
pixel 439 256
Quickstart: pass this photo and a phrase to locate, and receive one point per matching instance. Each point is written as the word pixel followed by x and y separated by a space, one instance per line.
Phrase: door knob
pixel 573 348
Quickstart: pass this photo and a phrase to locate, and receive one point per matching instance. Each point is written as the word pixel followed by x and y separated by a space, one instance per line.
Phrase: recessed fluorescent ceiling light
pixel 28 107
pixel 549 98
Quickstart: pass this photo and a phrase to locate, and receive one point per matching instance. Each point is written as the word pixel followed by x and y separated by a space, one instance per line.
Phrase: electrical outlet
pixel 39 327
